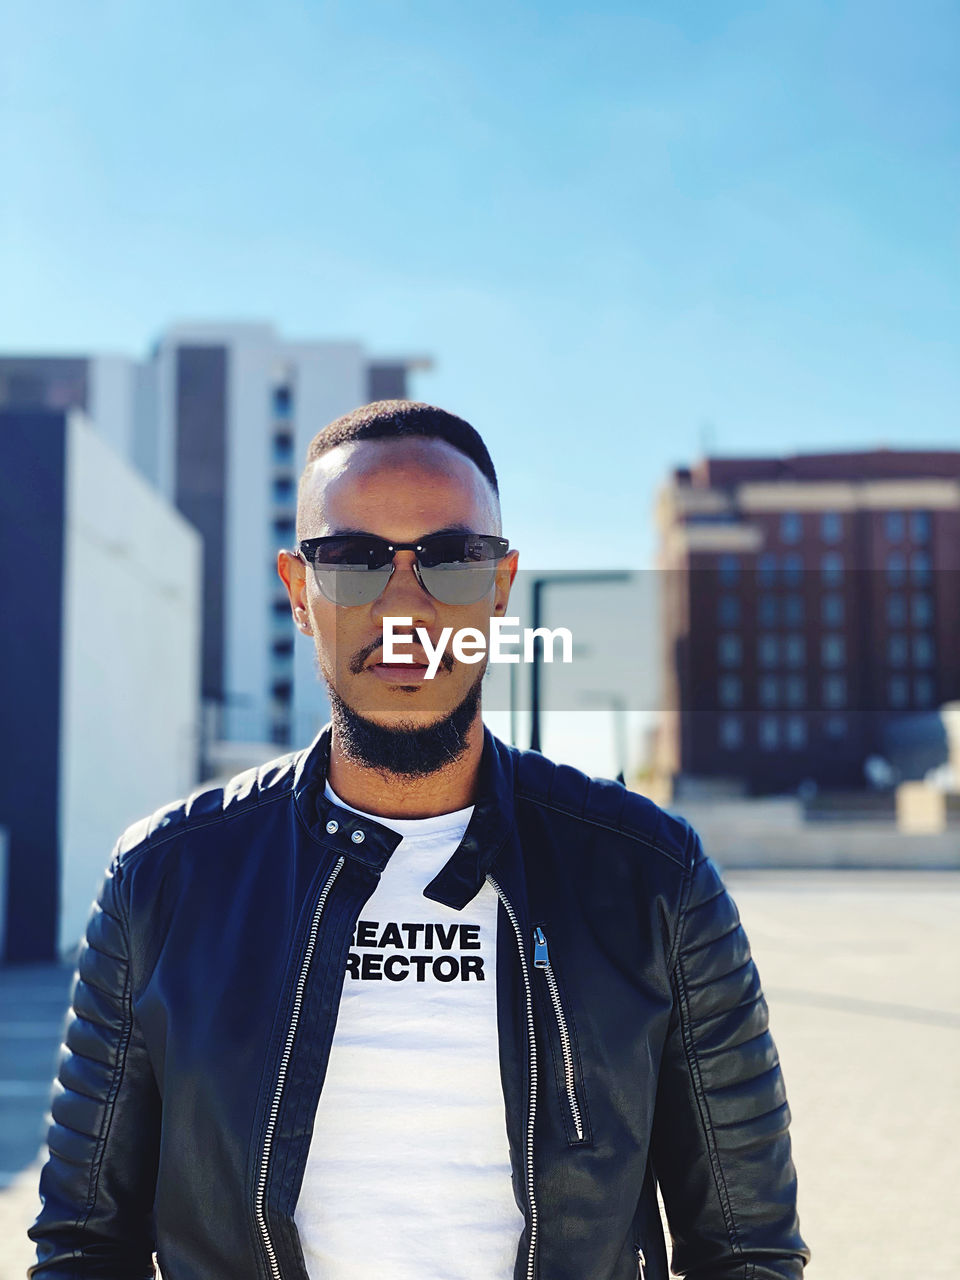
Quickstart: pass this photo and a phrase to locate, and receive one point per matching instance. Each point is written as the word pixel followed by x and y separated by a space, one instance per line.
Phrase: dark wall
pixel 44 382
pixel 200 480
pixel 32 493
pixel 386 382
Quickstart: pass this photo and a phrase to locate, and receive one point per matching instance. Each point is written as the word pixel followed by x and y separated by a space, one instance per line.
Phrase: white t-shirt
pixel 408 1173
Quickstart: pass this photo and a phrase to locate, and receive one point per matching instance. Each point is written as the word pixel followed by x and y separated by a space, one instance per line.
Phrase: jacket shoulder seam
pixel 638 837
pixel 686 888
pixel 153 840
pixel 538 780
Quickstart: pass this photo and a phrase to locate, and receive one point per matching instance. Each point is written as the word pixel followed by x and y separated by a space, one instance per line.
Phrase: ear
pixel 293 573
pixel 506 572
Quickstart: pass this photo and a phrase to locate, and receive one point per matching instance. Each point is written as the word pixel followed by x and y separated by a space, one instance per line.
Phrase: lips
pixel 399 672
pixel 400 666
pixel 419 660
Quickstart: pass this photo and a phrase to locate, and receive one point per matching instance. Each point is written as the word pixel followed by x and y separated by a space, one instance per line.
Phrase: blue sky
pixel 622 233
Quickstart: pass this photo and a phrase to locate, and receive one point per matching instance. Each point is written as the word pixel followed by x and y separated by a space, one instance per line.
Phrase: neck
pixel 395 795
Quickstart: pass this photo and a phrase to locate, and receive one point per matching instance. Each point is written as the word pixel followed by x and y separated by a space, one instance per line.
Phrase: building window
pixel 729 650
pixel 768 651
pixel 793 611
pixel 921 610
pixel 793 569
pixel 730 691
pixel 836 726
pixel 280 732
pixel 728 611
pixel 728 569
pixel 767 611
pixel 767 569
pixel 920 526
pixel 794 650
pixel 831 526
pixel 282 402
pixel 796 731
pixel 893 526
pixel 731 732
pixel 283 447
pixel 834 691
pixel 282 690
pixel 796 691
pixel 769 691
pixel 281 607
pixel 791 527
pixel 896 568
pixel 833 651
pixel 920 567
pixel 284 527
pixel 898 691
pixel 831 611
pixel 923 650
pixel 283 648
pixel 831 568
pixel 897 650
pixel 923 691
pixel 282 489
pixel 769 733
pixel 896 611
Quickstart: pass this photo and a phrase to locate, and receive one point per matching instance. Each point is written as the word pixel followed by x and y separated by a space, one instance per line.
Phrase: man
pixel 410 1002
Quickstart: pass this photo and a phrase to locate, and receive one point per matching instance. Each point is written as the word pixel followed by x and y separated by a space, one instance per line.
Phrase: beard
pixel 414 751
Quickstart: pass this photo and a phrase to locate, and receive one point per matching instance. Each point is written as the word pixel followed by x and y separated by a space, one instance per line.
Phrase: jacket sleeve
pixel 97 1186
pixel 720 1145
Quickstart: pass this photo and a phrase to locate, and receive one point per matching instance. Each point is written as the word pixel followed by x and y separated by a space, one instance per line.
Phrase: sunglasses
pixel 454 568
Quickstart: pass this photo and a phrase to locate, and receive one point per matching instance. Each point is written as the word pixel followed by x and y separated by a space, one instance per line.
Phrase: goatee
pixel 413 751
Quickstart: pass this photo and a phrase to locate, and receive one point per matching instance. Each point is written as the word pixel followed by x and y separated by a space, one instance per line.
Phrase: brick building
pixel 811 611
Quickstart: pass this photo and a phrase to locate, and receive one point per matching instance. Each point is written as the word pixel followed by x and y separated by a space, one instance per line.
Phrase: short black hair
pixel 395 419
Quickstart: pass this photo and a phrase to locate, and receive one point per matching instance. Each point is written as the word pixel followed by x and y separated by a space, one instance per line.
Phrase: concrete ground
pixel 861 970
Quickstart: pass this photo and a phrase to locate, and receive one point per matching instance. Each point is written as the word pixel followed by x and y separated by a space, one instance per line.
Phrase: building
pixel 110 389
pixel 99 667
pixel 218 418
pixel 811 614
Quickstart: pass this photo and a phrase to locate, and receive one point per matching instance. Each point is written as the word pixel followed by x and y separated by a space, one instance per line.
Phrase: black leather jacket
pixel 633 1040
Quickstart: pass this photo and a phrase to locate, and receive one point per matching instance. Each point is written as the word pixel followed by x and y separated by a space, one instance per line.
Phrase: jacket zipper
pixel 541 960
pixel 641 1261
pixel 282 1073
pixel 532 1050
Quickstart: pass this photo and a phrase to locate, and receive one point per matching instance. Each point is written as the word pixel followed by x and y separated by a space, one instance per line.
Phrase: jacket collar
pixel 462 876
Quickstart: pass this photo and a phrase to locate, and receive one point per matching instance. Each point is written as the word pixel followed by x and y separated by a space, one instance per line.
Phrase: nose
pixel 403 596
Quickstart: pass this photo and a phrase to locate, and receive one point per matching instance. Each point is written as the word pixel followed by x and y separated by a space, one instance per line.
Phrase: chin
pixel 406 738
pixel 405 717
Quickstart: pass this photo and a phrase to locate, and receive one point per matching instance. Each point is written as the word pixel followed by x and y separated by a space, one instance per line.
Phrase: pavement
pixel 33 1002
pixel 861 971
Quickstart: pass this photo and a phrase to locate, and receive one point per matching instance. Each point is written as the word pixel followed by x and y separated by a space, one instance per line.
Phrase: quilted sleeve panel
pixel 97 1186
pixel 721 1145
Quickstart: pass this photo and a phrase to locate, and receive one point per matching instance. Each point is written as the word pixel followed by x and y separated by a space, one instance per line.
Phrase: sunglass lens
pixel 458 583
pixel 350 584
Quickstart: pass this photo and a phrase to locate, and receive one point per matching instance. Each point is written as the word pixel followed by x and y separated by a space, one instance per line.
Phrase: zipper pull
pixel 541 957
pixel 641 1260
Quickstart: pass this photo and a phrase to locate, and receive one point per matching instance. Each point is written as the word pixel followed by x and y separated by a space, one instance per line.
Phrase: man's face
pixel 400 490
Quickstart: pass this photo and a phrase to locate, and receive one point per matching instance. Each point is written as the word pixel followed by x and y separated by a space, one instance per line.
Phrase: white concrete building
pixel 99 666
pixel 218 418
